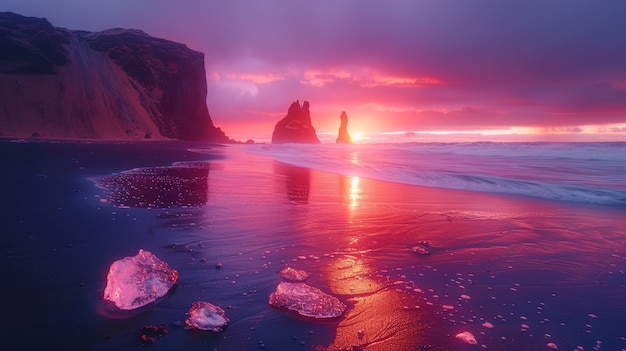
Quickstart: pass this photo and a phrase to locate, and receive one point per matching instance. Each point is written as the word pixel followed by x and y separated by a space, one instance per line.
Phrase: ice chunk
pixel 138 280
pixel 205 316
pixel 552 345
pixel 306 300
pixel 422 248
pixel 467 337
pixel 294 275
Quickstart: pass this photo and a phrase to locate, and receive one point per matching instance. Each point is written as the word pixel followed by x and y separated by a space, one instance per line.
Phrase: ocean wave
pixel 592 173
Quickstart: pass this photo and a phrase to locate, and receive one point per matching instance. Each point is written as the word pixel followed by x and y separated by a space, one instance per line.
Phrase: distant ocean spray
pixel 577 172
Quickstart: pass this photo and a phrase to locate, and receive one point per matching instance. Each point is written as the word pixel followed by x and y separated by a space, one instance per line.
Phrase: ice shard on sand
pixel 306 300
pixel 205 316
pixel 136 281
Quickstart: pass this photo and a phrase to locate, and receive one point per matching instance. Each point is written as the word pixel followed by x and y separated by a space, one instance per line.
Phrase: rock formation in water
pixel 344 136
pixel 114 84
pixel 296 127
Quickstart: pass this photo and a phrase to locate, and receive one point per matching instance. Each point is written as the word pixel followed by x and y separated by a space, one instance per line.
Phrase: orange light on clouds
pixel 321 78
pixel 256 78
pixel 366 78
pixel 376 80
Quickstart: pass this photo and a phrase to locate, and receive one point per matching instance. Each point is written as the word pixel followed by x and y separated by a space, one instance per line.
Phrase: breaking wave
pixel 577 172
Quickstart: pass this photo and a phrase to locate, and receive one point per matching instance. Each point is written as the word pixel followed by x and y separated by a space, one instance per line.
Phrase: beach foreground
pixel 517 272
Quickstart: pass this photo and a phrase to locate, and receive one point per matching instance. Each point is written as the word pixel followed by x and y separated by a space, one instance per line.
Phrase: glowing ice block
pixel 306 300
pixel 294 275
pixel 136 281
pixel 205 316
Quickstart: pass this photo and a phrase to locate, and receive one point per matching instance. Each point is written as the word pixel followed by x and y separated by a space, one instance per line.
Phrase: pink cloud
pixel 366 78
pixel 255 77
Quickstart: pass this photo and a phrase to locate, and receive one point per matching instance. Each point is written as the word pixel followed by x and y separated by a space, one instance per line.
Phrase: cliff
pixel 296 126
pixel 115 84
pixel 343 135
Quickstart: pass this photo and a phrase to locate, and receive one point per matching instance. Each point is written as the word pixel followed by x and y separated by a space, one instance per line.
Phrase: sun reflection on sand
pixel 355 192
pixel 380 317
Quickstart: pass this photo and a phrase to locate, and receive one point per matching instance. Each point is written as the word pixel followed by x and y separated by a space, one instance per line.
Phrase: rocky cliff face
pixel 296 127
pixel 115 84
pixel 343 135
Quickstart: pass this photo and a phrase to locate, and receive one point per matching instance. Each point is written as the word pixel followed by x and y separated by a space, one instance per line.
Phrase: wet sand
pixel 538 271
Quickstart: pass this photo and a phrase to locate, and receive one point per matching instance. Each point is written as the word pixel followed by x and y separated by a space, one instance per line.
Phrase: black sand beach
pixel 516 272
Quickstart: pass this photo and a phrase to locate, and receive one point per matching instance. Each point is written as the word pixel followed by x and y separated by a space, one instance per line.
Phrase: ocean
pixel 521 245
pixel 592 173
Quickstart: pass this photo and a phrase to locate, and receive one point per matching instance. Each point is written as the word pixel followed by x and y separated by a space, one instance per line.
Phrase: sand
pixel 554 264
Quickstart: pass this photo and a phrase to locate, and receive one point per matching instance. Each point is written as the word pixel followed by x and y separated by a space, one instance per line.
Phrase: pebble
pixel 552 346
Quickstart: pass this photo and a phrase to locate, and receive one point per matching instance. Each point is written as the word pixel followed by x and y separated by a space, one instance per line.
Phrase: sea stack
pixel 118 84
pixel 344 136
pixel 296 127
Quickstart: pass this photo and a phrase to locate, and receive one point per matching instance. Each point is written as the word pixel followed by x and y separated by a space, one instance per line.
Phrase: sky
pixel 403 70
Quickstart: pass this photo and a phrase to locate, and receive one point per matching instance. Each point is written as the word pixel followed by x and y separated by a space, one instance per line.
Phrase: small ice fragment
pixel 592 315
pixel 306 300
pixel 448 307
pixel 467 337
pixel 136 281
pixel 487 325
pixel 465 297
pixel 205 316
pixel 293 275
pixel 422 248
pixel 552 346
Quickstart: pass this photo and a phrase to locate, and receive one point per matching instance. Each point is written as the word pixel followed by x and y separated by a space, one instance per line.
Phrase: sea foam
pixel 575 172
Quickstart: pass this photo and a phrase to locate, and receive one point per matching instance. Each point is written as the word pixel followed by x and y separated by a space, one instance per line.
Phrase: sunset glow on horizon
pixel 402 70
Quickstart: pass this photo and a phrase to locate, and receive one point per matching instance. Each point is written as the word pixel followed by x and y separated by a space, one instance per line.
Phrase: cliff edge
pixel 117 84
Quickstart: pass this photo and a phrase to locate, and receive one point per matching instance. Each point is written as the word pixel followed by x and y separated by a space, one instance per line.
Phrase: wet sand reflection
pixel 381 317
pixel 297 181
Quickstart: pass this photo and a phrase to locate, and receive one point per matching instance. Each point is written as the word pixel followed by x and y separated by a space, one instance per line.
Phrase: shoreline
pixel 507 255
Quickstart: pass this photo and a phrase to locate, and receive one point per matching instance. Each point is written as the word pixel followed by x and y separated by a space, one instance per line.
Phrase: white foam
pixel 575 172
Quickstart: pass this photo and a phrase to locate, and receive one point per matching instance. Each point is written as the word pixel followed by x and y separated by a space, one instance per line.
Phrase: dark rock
pixel 296 127
pixel 114 84
pixel 344 136
pixel 149 333
pixel 170 68
pixel 30 46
